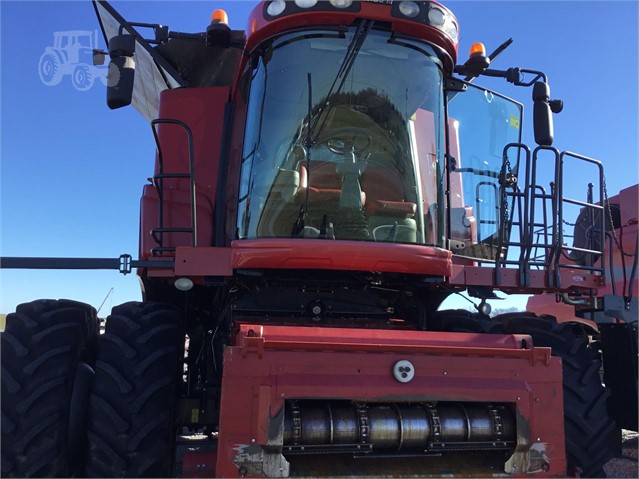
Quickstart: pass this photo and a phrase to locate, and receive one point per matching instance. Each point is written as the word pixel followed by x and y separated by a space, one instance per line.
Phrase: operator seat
pixel 325 188
pixel 324 185
pixel 390 216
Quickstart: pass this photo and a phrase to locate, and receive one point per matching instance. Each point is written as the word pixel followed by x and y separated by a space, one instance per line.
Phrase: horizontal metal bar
pixel 583 250
pixel 152 264
pixel 583 203
pixel 59 263
pixel 171 230
pixel 171 175
pixel 124 263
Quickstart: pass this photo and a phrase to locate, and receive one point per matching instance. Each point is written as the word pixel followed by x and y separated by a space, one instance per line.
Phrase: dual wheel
pixel 73 406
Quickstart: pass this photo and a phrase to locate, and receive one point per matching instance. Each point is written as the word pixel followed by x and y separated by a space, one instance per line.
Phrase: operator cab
pixel 355 143
pixel 353 146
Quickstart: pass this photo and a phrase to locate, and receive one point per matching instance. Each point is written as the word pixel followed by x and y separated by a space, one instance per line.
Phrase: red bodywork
pixel 267 365
pixel 626 234
pixel 199 108
pixel 259 28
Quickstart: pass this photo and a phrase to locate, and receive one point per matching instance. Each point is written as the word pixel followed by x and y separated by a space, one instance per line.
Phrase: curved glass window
pixel 482 124
pixel 343 139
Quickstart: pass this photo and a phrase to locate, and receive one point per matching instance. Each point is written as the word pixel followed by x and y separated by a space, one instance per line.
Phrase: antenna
pixel 104 301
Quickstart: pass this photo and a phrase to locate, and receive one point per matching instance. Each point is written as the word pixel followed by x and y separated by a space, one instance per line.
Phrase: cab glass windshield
pixel 343 139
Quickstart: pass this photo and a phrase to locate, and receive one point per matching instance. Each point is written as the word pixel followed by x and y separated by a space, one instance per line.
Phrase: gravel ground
pixel 626 465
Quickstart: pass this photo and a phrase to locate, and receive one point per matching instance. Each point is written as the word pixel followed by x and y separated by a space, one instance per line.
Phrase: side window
pixel 481 124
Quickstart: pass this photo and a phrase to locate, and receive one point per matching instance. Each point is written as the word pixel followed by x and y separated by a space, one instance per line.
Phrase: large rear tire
pixel 587 424
pixel 131 429
pixel 44 347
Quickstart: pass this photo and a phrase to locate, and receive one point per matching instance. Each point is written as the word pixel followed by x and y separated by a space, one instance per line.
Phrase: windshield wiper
pixel 309 141
pixel 352 51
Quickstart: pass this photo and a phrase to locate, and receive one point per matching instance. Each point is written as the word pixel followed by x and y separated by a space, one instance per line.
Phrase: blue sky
pixel 72 170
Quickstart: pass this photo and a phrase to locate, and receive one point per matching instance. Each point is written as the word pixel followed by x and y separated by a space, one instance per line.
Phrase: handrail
pixel 158 180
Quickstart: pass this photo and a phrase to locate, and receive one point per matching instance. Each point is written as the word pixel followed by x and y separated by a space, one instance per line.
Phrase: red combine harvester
pixel 307 217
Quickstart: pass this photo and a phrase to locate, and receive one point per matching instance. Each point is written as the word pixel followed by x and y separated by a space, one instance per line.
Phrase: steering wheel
pixel 347 140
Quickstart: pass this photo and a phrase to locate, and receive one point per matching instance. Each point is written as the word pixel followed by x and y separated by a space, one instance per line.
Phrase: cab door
pixel 481 124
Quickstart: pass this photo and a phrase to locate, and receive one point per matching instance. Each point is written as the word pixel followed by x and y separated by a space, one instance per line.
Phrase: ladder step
pixel 171 230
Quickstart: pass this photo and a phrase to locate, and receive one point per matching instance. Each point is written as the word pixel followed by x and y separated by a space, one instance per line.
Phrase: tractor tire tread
pixel 587 422
pixel 42 344
pixel 130 420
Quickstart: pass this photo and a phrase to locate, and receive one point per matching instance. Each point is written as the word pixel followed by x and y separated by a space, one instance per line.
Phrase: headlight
pixel 410 9
pixel 444 21
pixel 276 7
pixel 451 29
pixel 183 284
pixel 436 16
pixel 305 3
pixel 341 3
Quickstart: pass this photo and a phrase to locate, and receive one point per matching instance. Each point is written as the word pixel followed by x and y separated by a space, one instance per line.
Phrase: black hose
pixel 611 263
pixel 633 274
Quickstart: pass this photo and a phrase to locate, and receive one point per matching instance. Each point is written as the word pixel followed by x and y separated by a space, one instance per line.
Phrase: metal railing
pixel 158 233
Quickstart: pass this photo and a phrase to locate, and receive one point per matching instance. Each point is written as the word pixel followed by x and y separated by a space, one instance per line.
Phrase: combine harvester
pixel 306 218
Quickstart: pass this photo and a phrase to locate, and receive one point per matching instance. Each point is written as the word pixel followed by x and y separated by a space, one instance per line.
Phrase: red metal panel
pixel 177 213
pixel 268 365
pixel 340 255
pixel 571 279
pixel 259 28
pixel 202 110
pixel 255 338
pixel 211 261
pixel 198 463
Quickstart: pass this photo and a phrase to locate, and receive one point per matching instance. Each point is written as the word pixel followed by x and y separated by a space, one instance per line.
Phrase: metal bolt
pixel 253 440
pixel 518 398
pixel 445 373
pixel 282 395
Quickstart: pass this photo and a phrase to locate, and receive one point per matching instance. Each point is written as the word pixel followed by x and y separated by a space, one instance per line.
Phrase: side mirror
pixel 98 57
pixel 542 114
pixel 121 74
